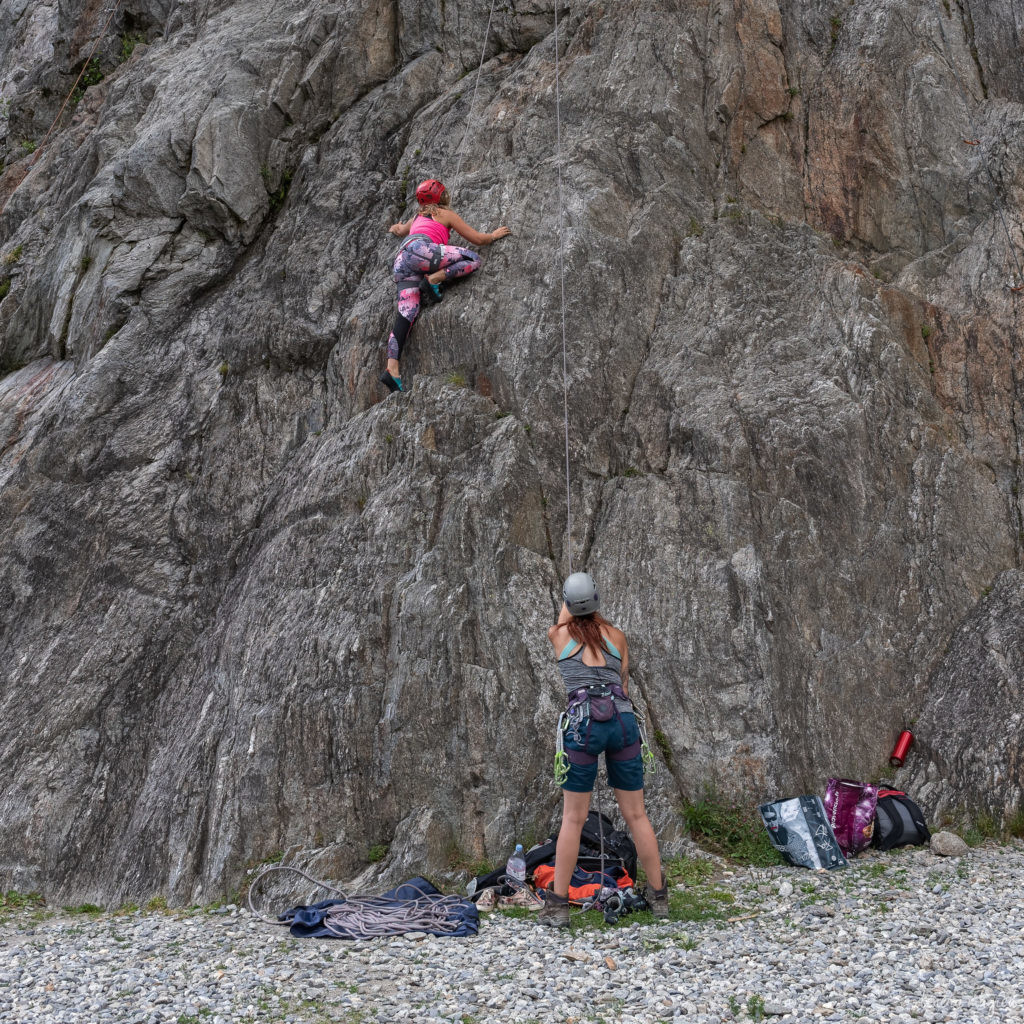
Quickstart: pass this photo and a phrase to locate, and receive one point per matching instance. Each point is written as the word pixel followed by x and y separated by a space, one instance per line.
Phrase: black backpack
pixel 898 821
pixel 618 846
pixel 618 850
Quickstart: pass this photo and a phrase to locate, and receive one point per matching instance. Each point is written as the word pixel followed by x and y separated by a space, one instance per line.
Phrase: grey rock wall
pixel 247 606
pixel 970 751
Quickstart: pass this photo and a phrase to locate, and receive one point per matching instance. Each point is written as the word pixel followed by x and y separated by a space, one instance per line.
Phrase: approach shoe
pixel 555 912
pixel 486 900
pixel 658 899
pixel 523 897
pixel 431 294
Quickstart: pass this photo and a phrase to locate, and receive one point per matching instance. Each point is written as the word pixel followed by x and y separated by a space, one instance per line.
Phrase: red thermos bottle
pixel 899 752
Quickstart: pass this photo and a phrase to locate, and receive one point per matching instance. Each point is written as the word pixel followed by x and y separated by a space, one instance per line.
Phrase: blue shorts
pixel 606 737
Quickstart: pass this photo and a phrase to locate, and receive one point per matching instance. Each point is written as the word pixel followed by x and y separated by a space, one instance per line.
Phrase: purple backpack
pixel 850 807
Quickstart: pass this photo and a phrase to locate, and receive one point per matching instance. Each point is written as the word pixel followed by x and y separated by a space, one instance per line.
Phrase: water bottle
pixel 515 866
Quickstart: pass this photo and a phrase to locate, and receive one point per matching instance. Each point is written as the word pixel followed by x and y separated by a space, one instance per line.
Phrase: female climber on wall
pixel 593 657
pixel 424 261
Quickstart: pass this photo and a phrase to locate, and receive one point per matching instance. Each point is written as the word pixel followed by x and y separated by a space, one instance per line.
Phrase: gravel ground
pixel 903 936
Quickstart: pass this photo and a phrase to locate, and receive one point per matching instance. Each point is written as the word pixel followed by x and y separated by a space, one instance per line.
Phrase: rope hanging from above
pixel 472 103
pixel 71 91
pixel 561 277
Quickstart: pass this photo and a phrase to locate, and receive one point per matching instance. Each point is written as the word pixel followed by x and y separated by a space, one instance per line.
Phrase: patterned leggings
pixel 412 265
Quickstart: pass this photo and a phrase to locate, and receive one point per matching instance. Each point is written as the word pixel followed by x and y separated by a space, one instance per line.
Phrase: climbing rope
pixel 975 140
pixel 85 67
pixel 472 101
pixel 360 917
pixel 561 276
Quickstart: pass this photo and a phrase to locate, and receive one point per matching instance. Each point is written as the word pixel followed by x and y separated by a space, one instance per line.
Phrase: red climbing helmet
pixel 430 191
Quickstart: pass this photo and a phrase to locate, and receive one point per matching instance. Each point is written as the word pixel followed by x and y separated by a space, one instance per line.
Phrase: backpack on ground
pixel 850 806
pixel 898 821
pixel 618 846
pixel 618 851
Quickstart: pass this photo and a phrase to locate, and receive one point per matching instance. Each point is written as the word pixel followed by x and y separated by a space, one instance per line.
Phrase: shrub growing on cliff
pixel 1015 824
pixel 277 195
pixel 93 75
pixel 128 43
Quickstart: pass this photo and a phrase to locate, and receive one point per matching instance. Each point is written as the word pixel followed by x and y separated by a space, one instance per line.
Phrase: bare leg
pixel 631 806
pixel 393 368
pixel 567 849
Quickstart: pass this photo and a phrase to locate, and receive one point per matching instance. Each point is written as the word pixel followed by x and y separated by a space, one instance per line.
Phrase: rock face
pixel 247 606
pixel 971 744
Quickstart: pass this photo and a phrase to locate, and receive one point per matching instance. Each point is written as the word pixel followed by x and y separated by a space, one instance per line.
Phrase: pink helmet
pixel 430 191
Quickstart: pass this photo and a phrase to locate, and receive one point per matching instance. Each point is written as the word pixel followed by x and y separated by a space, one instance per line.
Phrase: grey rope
pixel 297 871
pixel 472 102
pixel 373 916
pixel 561 275
pixel 975 140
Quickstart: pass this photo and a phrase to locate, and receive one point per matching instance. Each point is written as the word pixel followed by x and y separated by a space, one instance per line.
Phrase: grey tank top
pixel 575 674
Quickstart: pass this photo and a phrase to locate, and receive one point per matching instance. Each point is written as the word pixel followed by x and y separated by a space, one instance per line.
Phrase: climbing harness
pixel 598 703
pixel 372 916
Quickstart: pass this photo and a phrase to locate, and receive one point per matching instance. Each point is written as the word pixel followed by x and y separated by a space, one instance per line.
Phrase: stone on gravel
pixel 948 844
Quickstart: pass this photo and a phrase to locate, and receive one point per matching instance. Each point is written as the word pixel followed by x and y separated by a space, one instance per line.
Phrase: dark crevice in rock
pixel 968 25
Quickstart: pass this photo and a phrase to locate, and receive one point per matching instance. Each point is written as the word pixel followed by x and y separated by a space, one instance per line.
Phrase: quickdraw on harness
pixel 598 703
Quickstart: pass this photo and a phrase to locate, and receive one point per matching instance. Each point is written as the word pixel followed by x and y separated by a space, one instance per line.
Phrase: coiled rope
pixel 362 917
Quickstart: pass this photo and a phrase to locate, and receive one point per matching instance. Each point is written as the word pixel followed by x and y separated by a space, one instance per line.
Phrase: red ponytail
pixel 586 630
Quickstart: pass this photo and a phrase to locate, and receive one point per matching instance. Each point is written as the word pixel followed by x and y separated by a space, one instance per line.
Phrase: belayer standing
pixel 593 657
pixel 424 261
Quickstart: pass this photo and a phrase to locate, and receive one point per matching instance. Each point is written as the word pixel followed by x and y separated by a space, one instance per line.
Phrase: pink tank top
pixel 433 229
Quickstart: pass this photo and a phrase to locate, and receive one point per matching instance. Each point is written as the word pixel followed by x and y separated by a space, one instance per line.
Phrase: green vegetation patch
pixel 730 830
pixel 278 195
pixel 88 909
pixel 92 75
pixel 12 901
pixel 128 43
pixel 458 859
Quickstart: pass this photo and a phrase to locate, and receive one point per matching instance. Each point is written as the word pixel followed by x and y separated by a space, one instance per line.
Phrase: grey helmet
pixel 580 594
